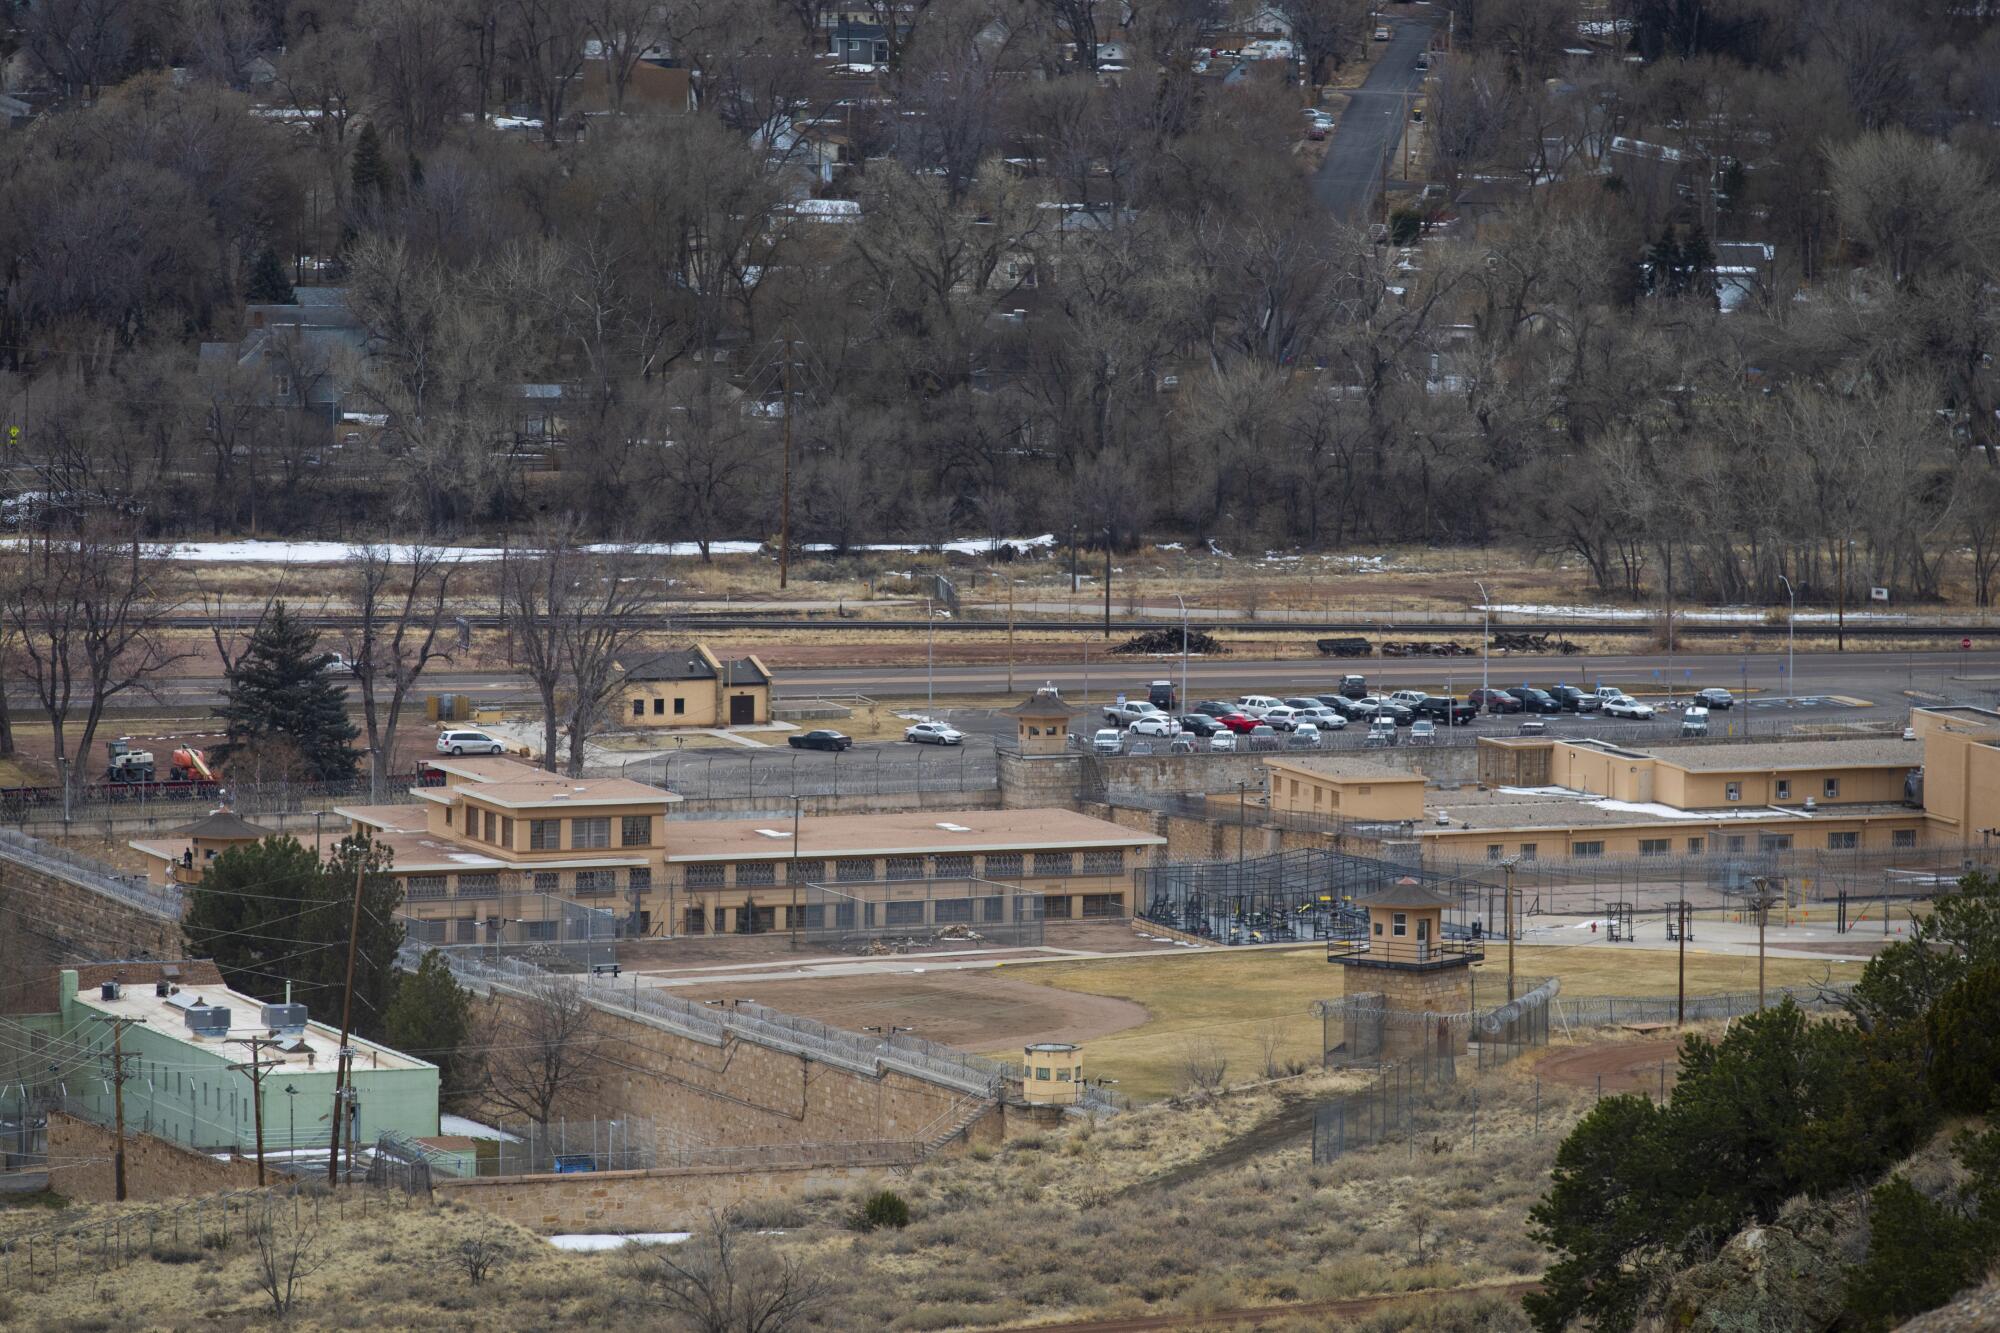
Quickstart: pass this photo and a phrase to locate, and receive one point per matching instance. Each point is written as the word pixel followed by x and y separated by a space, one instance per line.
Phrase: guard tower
pixel 1406 959
pixel 1052 1074
pixel 1041 722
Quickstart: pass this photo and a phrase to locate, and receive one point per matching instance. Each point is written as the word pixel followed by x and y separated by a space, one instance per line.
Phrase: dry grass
pixel 1229 998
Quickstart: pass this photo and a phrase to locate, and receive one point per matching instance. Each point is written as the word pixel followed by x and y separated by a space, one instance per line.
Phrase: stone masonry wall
pixel 635 1201
pixel 47 919
pixel 80 1165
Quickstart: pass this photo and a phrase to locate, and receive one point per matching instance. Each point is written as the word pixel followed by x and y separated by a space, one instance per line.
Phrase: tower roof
pixel 1045 702
pixel 223 825
pixel 1406 892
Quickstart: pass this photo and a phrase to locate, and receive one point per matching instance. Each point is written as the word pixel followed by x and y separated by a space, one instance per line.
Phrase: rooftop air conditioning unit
pixel 285 1020
pixel 203 1019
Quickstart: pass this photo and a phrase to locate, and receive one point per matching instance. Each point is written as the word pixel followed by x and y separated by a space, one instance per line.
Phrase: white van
pixel 468 742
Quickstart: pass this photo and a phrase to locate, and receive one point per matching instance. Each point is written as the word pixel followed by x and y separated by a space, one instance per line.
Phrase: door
pixel 1423 939
pixel 742 710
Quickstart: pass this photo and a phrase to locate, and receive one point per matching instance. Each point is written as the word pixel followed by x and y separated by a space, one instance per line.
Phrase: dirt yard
pixel 1622 1066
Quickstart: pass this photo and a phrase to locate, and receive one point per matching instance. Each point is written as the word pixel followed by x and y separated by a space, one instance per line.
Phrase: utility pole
pixel 255 1068
pixel 1242 814
pixel 1507 866
pixel 930 657
pixel 1184 651
pixel 341 1062
pixel 792 872
pixel 785 504
pixel 1681 988
pixel 118 1076
pixel 1107 583
pixel 1840 592
pixel 1485 643
pixel 1010 634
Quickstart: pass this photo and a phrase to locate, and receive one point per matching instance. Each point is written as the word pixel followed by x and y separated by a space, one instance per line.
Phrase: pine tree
pixel 431 1018
pixel 370 171
pixel 269 283
pixel 280 698
pixel 1698 265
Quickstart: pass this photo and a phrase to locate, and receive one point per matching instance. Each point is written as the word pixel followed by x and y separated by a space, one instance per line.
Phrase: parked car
pixel 1200 724
pixel 1237 723
pixel 1156 724
pixel 1381 732
pixel 1353 687
pixel 1107 741
pixel 1409 697
pixel 1574 700
pixel 934 733
pixel 1715 697
pixel 1161 694
pixel 1316 130
pixel 1130 711
pixel 1280 717
pixel 1181 745
pixel 1608 692
pixel 1303 702
pixel 1445 709
pixel 1535 701
pixel 1340 704
pixel 1399 713
pixel 1222 742
pixel 1322 717
pixel 1262 737
pixel 336 664
pixel 1494 701
pixel 1214 707
pixel 1381 34
pixel 821 740
pixel 1305 736
pixel 1255 705
pixel 1694 722
pixel 468 742
pixel 1423 732
pixel 1624 705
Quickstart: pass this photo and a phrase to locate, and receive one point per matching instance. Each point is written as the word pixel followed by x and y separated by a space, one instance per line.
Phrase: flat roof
pixel 487 768
pixel 522 795
pixel 1340 766
pixel 1864 752
pixel 246 1019
pixel 1979 717
pixel 904 833
pixel 1556 807
pixel 419 852
pixel 400 818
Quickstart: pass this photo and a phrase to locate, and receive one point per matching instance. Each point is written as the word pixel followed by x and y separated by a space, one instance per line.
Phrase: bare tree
pixel 544 44
pixel 399 599
pixel 289 1251
pixel 624 30
pixel 715 1283
pixel 88 611
pixel 78 44
pixel 1203 1067
pixel 544 1049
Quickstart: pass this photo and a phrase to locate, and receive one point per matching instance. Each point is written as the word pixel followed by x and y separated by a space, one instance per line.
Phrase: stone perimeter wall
pixel 80 1165
pixel 635 1201
pixel 48 919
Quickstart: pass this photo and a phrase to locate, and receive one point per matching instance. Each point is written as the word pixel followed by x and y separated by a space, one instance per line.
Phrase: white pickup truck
pixel 1125 713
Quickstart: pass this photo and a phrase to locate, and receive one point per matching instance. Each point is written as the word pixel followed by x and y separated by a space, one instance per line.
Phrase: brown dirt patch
pixel 1624 1066
pixel 973 1010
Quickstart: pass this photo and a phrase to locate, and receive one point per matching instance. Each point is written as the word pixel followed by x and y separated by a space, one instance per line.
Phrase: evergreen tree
pixel 269 913
pixel 431 1018
pixel 369 169
pixel 280 699
pixel 269 283
pixel 1697 265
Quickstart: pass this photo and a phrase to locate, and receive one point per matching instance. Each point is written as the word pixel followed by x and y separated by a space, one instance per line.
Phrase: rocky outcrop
pixel 1781 1278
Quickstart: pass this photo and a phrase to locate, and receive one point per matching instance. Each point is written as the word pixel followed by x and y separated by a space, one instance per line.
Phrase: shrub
pixel 1965 1042
pixel 1920 1253
pixel 1406 225
pixel 885 1209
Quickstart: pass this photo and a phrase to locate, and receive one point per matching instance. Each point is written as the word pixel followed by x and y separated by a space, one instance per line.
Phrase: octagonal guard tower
pixel 1408 961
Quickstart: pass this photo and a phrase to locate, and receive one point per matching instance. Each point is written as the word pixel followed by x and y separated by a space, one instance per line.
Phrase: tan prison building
pixel 692 687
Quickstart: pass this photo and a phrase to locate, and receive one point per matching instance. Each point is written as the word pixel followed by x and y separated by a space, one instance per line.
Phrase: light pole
pixel 792 913
pixel 292 1120
pixel 930 656
pixel 1507 866
pixel 1485 642
pixel 1791 638
pixel 1184 649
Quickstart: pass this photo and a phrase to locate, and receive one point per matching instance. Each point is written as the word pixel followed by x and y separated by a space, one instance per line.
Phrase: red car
pixel 1237 723
pixel 1494 701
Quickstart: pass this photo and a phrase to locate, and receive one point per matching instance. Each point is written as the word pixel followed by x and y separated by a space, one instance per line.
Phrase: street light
pixel 1184 649
pixel 1508 865
pixel 930 656
pixel 292 1116
pixel 1486 640
pixel 1791 638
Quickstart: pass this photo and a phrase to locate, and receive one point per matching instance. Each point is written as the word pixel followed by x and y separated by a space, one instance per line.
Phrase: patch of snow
pixel 1169 546
pixel 589 1243
pixel 466 1127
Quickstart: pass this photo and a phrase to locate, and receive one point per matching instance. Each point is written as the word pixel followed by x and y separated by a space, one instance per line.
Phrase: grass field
pixel 1233 1000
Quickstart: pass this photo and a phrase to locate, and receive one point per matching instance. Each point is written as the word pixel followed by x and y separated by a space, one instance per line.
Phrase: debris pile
pixel 1354 647
pixel 1534 643
pixel 1447 648
pixel 1163 641
pixel 889 946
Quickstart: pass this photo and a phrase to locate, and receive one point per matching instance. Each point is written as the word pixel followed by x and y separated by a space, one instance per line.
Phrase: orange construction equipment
pixel 190 764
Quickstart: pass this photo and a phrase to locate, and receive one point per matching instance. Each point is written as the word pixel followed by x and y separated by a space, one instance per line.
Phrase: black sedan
pixel 1214 708
pixel 1714 697
pixel 1200 724
pixel 821 740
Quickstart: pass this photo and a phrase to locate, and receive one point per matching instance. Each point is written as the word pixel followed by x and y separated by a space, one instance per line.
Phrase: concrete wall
pixel 48 919
pixel 80 1165
pixel 629 1201
pixel 1183 774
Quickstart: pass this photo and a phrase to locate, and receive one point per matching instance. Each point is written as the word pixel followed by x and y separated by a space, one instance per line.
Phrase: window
pixel 904 867
pixel 1831 789
pixel 1694 846
pixel 903 914
pixel 1527 851
pixel 1733 791
pixel 1843 842
pixel 1333 798
pixel 638 708
pixel 639 879
pixel 659 707
pixel 1295 788
pixel 1586 849
pixel 506 831
pixel 424 886
pixel 492 822
pixel 1784 789
pixel 680 707
pixel 548 881
pixel 697 921
pixel 1903 837
pixel 1493 850
pixel 1055 907
pixel 1003 865
pixel 595 882
pixel 485 885
pixel 756 874
pixel 1378 927
pixel 947 910
pixel 1097 905
pixel 590 832
pixel 1774 842
pixel 805 872
pixel 1733 843
pixel 1366 790
pixel 544 835
pixel 448 812
pixel 1104 863
pixel 953 867
pixel 1400 924
pixel 635 831
pixel 1653 846
pixel 855 870
pixel 540 930
pixel 1052 863
pixel 467 930
pixel 706 876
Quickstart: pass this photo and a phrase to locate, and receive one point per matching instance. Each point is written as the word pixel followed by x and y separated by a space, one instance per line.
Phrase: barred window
pixel 636 831
pixel 479 886
pixel 706 876
pixel 1732 842
pixel 540 930
pixel 506 831
pixel 1052 863
pixel 639 879
pixel 544 835
pixel 903 914
pixel 548 881
pixel 1653 846
pixel 426 932
pixel 1774 842
pixel 1903 837
pixel 1003 865
pixel 905 867
pixel 805 872
pixel 467 930
pixel 1104 863
pixel 1843 842
pixel 1586 849
pixel 595 882
pixel 424 886
pixel 955 866
pixel 756 873
pixel 946 910
pixel 590 832
pixel 848 872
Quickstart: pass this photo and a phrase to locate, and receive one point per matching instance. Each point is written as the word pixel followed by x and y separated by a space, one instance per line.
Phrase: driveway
pixel 1369 127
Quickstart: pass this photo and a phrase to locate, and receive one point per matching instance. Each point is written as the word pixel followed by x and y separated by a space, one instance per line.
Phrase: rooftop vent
pixel 206 1020
pixel 285 1020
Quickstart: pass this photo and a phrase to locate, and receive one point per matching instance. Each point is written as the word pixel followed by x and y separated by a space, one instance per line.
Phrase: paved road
pixel 1371 124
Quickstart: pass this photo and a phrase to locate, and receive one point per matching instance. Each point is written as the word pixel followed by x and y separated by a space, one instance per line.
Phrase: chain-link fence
pixel 1305 893
pixel 87 872
pixel 778 775
pixel 166 804
pixel 1593 1011
pixel 517 922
